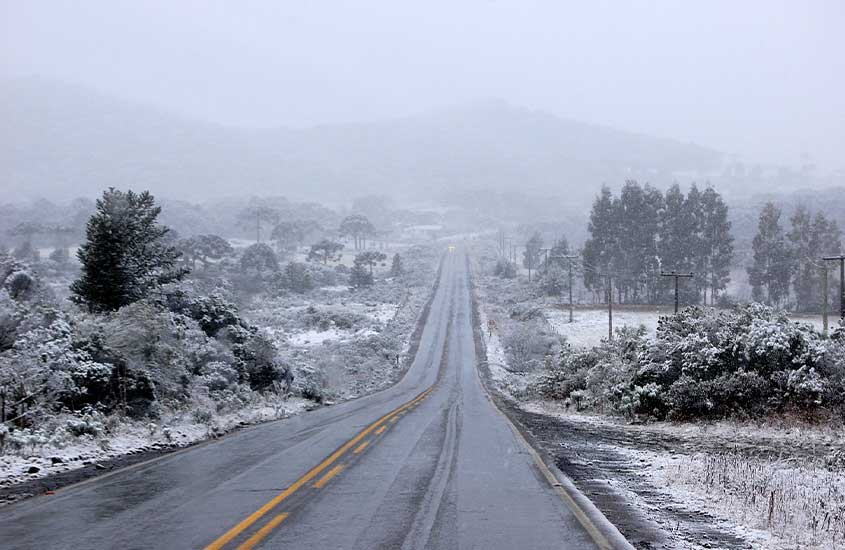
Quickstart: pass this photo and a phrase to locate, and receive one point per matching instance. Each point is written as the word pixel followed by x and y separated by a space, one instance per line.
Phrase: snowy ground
pixel 589 325
pixel 346 343
pixel 772 486
pixel 173 430
pixel 696 485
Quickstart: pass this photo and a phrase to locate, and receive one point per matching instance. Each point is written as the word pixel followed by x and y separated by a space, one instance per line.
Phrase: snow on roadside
pixel 174 430
pixel 777 487
pixel 589 325
pixel 510 383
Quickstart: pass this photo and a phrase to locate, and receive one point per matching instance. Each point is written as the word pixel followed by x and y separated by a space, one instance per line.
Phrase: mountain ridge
pixel 63 140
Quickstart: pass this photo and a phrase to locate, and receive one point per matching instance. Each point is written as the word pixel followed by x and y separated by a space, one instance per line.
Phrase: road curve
pixel 426 464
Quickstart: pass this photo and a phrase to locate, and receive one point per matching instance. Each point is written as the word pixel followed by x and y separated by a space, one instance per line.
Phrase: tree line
pixel 643 231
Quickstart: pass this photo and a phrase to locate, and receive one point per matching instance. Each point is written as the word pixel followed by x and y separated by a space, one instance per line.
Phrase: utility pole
pixel 529 256
pixel 609 309
pixel 569 261
pixel 841 260
pixel 677 276
pixel 824 298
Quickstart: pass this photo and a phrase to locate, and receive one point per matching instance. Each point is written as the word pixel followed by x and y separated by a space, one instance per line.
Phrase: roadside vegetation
pixel 723 421
pixel 148 338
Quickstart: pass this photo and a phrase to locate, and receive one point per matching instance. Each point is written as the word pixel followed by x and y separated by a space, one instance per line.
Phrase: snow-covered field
pixel 589 325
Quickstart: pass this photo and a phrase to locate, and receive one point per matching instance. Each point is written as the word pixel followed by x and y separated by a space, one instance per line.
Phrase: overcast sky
pixel 763 79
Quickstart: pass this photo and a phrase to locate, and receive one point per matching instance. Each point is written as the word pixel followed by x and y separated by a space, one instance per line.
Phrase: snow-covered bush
pixel 600 377
pixel 529 344
pixel 704 363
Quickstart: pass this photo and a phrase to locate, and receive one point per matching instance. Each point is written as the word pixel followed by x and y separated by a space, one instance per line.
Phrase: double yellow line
pixel 378 426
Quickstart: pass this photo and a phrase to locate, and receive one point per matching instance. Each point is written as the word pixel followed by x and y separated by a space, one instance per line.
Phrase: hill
pixel 63 141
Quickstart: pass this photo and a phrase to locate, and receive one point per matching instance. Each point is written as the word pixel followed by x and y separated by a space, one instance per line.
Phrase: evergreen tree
pixel 370 258
pixel 325 251
pixel 810 238
pixel 396 268
pixel 675 227
pixel 716 244
pixel 296 278
pixel 259 257
pixel 637 210
pixel 601 246
pixel 359 275
pixel 124 257
pixel 359 228
pixel 256 216
pixel 770 272
pixel 531 254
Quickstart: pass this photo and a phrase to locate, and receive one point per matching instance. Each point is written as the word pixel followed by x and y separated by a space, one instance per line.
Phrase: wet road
pixel 429 463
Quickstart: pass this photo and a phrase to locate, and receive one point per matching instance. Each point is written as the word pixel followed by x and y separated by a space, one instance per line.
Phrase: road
pixel 429 463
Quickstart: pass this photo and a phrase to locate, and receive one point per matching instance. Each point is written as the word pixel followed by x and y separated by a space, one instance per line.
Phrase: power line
pixel 677 276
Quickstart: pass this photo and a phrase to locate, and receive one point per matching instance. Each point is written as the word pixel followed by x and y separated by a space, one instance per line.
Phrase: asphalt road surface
pixel 429 463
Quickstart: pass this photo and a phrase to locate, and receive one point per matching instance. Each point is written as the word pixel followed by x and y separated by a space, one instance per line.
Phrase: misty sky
pixel 763 79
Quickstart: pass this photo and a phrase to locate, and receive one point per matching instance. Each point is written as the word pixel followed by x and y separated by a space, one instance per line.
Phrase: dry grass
pixel 801 504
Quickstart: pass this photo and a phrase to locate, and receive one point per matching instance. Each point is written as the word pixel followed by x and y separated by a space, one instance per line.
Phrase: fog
pixel 174 95
pixel 763 80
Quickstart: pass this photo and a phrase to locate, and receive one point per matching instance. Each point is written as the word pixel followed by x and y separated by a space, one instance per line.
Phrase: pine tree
pixel 716 244
pixel 674 245
pixel 638 211
pixel 359 275
pixel 806 279
pixel 810 238
pixel 600 247
pixel 124 257
pixel 770 272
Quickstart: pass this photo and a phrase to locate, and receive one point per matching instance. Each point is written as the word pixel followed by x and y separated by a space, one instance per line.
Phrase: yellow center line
pixel 361 447
pixel 380 430
pixel 329 475
pixel 259 535
pixel 314 472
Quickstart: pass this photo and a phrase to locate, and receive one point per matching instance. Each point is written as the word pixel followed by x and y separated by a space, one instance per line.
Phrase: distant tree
pixel 553 281
pixel 259 257
pixel 257 216
pixel 559 249
pixel 376 208
pixel 60 234
pixel 296 278
pixel 26 252
pixel 26 231
pixel 716 251
pixel 810 239
pixel 678 237
pixel 370 258
pixel 123 258
pixel 325 251
pixel 205 248
pixel 396 268
pixel 637 215
pixel 770 273
pixel 288 235
pixel 533 249
pixel 602 244
pixel 359 276
pixel 359 228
